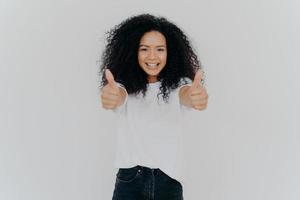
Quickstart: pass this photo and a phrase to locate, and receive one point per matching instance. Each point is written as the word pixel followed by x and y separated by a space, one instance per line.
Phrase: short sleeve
pixel 122 108
pixel 184 82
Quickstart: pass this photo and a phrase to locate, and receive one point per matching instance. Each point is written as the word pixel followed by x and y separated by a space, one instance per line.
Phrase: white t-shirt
pixel 149 132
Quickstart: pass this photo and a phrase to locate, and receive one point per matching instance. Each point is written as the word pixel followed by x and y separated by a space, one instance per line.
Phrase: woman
pixel 149 75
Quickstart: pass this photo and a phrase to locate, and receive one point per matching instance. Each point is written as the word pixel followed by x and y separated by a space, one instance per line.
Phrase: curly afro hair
pixel 121 55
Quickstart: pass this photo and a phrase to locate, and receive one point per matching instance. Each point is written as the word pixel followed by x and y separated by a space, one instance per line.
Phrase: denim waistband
pixel 155 171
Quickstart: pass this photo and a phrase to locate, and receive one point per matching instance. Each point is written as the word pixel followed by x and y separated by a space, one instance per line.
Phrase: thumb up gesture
pixel 197 93
pixel 112 96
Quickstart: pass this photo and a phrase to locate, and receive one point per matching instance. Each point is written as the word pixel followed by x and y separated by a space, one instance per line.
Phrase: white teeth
pixel 152 64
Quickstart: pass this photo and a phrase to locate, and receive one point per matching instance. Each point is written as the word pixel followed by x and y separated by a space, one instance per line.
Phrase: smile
pixel 152 64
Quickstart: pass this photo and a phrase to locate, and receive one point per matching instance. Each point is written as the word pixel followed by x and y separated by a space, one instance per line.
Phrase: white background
pixel 56 143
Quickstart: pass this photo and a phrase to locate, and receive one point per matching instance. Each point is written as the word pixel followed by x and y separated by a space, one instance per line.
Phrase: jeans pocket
pixel 128 174
pixel 169 179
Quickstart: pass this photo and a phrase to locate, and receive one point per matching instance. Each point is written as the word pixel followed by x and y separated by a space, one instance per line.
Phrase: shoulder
pixel 184 81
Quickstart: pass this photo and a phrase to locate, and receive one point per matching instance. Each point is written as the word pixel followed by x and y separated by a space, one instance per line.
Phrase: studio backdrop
pixel 57 143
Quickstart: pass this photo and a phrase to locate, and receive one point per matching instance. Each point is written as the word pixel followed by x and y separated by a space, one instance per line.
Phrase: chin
pixel 152 72
pixel 149 73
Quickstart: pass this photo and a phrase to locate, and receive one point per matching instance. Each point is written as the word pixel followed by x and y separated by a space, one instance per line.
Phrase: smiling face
pixel 152 54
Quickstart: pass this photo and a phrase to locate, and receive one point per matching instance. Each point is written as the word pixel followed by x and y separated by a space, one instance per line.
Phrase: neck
pixel 152 80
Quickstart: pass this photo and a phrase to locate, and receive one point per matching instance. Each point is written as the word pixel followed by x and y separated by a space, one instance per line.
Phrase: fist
pixel 111 97
pixel 197 93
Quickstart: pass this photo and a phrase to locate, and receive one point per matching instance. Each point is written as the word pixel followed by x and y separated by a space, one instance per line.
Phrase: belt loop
pixel 140 168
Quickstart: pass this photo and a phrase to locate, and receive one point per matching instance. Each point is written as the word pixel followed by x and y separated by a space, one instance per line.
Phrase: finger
pixel 197 91
pixel 109 97
pixel 110 78
pixel 202 107
pixel 197 80
pixel 109 101
pixel 199 102
pixel 108 107
pixel 199 98
pixel 109 104
pixel 109 91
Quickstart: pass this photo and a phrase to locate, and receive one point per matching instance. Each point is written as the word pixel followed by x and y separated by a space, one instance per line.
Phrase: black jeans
pixel 143 183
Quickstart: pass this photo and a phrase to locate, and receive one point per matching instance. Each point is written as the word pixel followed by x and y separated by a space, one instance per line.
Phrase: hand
pixel 197 93
pixel 111 96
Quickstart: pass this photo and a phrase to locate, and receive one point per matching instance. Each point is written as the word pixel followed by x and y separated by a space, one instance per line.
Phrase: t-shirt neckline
pixel 155 84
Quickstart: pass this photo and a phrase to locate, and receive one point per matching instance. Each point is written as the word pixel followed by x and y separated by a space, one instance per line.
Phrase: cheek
pixel 163 57
pixel 141 57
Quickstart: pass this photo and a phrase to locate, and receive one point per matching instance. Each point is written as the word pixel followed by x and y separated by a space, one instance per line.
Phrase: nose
pixel 152 54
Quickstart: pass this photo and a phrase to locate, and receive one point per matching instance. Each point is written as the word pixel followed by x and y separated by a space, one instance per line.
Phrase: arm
pixel 194 96
pixel 184 97
pixel 123 94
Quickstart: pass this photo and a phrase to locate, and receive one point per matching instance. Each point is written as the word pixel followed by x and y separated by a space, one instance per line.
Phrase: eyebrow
pixel 149 46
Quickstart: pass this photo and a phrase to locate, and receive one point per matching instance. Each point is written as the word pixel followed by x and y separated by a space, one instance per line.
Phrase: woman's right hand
pixel 112 96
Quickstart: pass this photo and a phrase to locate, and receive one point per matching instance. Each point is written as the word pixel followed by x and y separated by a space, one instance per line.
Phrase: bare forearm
pixel 123 95
pixel 184 96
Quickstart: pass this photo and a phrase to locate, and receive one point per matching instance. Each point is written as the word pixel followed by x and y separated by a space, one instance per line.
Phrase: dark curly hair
pixel 120 55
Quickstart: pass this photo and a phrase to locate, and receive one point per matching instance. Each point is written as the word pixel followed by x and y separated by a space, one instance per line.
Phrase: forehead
pixel 153 38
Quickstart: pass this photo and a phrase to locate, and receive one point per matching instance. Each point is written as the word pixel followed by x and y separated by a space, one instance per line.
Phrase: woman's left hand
pixel 197 93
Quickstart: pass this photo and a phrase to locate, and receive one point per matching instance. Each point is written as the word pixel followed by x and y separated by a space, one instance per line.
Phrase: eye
pixel 143 49
pixel 161 49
